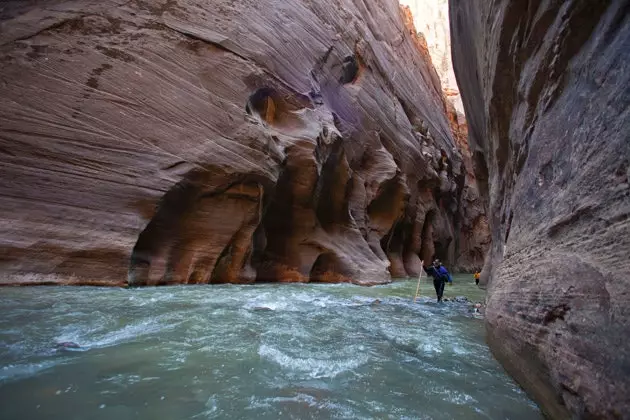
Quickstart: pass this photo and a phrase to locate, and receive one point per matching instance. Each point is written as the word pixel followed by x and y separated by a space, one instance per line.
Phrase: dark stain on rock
pixel 101 69
pixel 509 226
pixel 156 9
pixel 194 46
pixel 37 51
pixel 556 313
pixel 546 173
pixel 115 25
pixel 622 173
pixel 71 25
pixel 93 80
pixel 116 54
pixel 349 70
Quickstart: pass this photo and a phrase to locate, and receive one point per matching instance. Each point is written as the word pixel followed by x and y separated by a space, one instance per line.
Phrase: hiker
pixel 443 271
pixel 476 276
pixel 439 279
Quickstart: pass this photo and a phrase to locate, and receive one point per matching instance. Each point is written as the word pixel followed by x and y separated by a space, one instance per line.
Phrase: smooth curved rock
pixel 545 89
pixel 186 141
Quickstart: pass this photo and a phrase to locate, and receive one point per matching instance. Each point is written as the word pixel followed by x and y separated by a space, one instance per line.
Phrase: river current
pixel 248 352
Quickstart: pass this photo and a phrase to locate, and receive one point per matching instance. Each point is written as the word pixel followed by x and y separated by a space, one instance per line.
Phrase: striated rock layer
pixel 187 141
pixel 430 18
pixel 472 233
pixel 471 222
pixel 545 89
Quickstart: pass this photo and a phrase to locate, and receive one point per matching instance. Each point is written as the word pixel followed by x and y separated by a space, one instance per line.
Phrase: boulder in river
pixel 67 345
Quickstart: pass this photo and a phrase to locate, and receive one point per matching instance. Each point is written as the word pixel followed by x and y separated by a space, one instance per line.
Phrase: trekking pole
pixel 418 287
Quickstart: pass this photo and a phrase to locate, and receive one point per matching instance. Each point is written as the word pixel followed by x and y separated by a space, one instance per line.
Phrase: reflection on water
pixel 264 352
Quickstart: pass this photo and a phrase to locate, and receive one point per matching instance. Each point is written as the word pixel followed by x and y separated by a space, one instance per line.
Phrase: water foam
pixel 17 371
pixel 92 336
pixel 215 355
pixel 312 367
pixel 295 302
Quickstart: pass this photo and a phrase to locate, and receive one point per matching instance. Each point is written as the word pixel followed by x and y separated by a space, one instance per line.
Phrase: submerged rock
pixel 545 89
pixel 457 299
pixel 477 308
pixel 67 345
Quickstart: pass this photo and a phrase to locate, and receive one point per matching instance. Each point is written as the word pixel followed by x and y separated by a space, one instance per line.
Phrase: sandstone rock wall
pixel 545 88
pixel 187 141
pixel 430 18
pixel 471 222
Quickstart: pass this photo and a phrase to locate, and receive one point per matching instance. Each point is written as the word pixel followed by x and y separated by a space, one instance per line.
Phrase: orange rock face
pixel 183 141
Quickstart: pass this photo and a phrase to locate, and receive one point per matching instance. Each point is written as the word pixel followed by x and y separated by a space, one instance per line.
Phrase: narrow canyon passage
pixel 327 143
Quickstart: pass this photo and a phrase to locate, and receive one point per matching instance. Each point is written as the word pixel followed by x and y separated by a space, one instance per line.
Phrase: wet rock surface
pixel 169 142
pixel 545 88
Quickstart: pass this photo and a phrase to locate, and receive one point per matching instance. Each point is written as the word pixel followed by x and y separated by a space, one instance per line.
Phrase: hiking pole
pixel 418 287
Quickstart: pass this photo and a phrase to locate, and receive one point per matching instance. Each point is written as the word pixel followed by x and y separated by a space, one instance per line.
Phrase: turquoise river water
pixel 248 352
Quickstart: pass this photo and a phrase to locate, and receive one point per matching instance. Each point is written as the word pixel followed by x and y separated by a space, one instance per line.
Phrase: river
pixel 239 352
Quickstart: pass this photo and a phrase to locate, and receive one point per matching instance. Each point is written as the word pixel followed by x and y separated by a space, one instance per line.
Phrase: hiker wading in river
pixel 440 277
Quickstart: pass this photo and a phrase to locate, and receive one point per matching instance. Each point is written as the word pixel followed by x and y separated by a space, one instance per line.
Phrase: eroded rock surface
pixel 184 141
pixel 472 233
pixel 430 18
pixel 471 222
pixel 545 89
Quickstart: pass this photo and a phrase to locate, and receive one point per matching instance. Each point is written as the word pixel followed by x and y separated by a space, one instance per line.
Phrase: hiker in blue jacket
pixel 440 277
pixel 444 272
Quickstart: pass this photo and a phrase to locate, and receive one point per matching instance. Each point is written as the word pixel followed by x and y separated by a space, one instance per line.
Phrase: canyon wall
pixel 545 90
pixel 185 141
pixel 473 241
pixel 431 19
